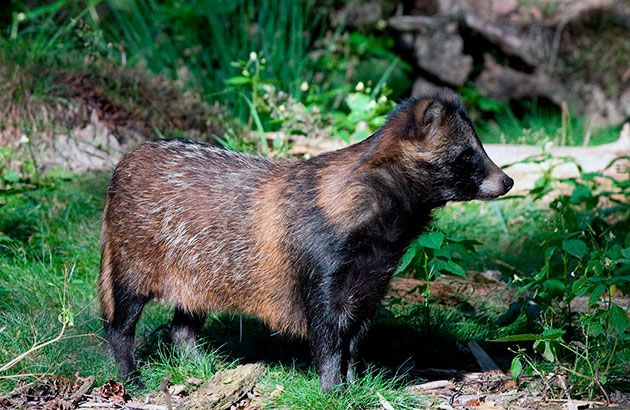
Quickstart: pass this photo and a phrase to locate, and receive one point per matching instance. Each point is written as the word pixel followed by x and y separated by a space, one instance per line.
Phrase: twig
pixel 19 376
pixel 78 395
pixel 131 405
pixel 35 347
pixel 164 389
pixel 570 404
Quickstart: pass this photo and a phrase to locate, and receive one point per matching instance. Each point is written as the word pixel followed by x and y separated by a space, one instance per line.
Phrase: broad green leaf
pixel 626 253
pixel 455 268
pixel 440 265
pixel 406 259
pixel 516 368
pixel 581 287
pixel 597 294
pixel 525 337
pixel 619 318
pixel 574 247
pixel 549 353
pixel 552 334
pixel 432 240
pixel 446 252
pixel 580 192
pixel 614 252
pixel 548 334
pixel 554 287
pixel 596 329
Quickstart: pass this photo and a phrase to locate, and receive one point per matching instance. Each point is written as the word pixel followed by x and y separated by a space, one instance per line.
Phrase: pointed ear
pixel 427 118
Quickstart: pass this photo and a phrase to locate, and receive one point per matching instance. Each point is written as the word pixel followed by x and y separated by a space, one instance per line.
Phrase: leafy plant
pixel 588 254
pixel 365 115
pixel 433 254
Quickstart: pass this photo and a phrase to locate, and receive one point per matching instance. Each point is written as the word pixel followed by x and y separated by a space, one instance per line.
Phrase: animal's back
pixel 189 223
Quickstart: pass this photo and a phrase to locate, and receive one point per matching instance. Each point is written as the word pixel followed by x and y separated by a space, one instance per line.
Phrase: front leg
pixel 339 309
pixel 326 345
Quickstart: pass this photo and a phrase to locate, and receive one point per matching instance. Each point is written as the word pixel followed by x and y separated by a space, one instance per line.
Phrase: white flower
pixel 252 56
pixel 360 86
pixel 372 104
pixel 23 139
pixel 304 86
pixel 21 16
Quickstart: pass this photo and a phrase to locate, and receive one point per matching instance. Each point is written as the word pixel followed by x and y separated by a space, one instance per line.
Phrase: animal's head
pixel 434 141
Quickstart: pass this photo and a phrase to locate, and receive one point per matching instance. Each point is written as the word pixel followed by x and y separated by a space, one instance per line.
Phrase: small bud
pixel 304 86
pixel 382 99
pixel 252 56
pixel 21 16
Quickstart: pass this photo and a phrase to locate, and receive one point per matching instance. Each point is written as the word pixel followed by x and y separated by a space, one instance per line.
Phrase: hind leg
pixel 121 330
pixel 184 329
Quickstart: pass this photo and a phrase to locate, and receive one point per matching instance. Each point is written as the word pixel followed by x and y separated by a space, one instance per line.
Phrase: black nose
pixel 508 183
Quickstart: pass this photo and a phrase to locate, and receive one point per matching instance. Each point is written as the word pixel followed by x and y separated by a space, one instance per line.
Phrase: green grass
pixel 49 237
pixel 300 390
pixel 538 126
pixel 165 360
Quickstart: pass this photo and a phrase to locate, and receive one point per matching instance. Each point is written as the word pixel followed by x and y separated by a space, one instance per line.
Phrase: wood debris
pixel 224 389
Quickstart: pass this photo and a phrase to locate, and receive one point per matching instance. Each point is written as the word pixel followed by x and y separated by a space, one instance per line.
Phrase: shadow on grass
pixel 400 345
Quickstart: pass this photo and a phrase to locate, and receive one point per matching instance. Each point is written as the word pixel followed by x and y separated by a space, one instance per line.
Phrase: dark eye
pixel 467 155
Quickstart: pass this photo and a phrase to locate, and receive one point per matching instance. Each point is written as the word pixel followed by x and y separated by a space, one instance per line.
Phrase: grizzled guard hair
pixel 307 246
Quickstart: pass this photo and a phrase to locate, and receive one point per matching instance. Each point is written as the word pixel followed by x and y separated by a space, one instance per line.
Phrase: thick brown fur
pixel 306 246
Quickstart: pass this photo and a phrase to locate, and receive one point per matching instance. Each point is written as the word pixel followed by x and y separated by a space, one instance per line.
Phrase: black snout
pixel 508 183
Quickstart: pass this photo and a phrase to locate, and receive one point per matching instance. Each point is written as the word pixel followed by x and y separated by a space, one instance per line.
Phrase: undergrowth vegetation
pixel 564 245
